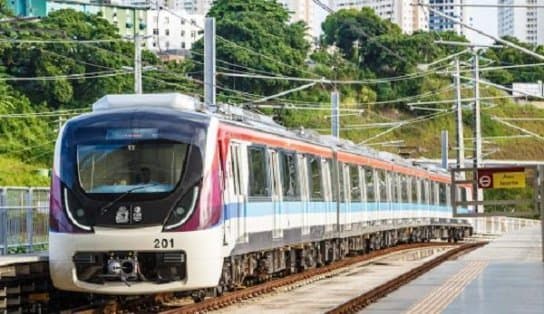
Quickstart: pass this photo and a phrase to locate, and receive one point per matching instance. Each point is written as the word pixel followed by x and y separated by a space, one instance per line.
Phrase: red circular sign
pixel 485 181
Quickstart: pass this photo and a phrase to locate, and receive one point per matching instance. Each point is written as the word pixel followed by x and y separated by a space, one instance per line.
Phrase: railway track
pixel 168 304
pixel 358 303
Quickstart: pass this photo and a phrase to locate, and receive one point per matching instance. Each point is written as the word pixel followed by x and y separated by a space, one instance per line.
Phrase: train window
pixel 395 187
pixel 369 181
pixel 442 194
pixel 328 193
pixel 413 189
pixel 234 169
pixel 404 187
pixel 314 178
pixel 354 183
pixel 288 167
pixel 427 190
pixel 258 173
pixel 448 195
pixel 382 185
pixel 435 194
pixel 341 187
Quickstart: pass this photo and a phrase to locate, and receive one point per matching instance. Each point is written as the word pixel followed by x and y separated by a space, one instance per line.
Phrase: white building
pixel 410 18
pixel 524 23
pixel 192 6
pixel 172 30
pixel 302 10
pixel 451 8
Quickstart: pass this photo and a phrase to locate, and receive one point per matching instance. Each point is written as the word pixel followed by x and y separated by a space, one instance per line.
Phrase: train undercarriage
pixel 252 268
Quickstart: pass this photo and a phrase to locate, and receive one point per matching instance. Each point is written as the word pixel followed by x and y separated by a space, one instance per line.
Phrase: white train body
pixel 151 195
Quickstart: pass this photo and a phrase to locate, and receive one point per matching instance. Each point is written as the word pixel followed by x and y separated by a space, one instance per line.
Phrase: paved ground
pixel 506 276
pixel 326 294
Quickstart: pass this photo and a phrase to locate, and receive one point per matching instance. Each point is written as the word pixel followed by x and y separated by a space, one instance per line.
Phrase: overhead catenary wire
pixel 496 39
pixel 42 114
pixel 88 75
pixel 523 130
pixel 404 123
pixel 411 76
pixel 61 41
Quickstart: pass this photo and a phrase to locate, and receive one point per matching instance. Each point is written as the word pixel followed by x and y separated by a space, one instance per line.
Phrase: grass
pixel 14 172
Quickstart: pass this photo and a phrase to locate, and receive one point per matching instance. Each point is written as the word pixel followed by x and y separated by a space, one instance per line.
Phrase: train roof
pixel 245 118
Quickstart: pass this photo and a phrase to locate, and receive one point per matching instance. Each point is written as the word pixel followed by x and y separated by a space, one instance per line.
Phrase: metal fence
pixel 24 219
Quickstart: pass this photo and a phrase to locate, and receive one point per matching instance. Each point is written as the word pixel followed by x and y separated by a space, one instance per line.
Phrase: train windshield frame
pixel 161 133
pixel 135 167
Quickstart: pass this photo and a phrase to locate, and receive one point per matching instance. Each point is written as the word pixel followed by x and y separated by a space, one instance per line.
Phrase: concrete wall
pixel 499 225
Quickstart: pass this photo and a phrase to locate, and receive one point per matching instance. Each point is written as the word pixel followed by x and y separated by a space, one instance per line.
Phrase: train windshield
pixel 137 167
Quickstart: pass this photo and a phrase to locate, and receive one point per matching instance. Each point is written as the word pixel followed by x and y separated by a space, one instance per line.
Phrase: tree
pixel 255 36
pixel 60 59
pixel 510 56
pixel 24 136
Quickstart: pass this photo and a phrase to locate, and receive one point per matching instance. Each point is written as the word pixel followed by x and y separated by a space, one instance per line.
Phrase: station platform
pixel 505 276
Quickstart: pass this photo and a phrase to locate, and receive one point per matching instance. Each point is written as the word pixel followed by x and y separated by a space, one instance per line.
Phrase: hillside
pixel 48 76
pixel 420 139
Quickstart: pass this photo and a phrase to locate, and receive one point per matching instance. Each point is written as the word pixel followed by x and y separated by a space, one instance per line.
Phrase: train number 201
pixel 163 243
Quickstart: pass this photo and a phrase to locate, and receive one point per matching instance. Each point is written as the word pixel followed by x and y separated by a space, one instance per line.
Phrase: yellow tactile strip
pixel 439 299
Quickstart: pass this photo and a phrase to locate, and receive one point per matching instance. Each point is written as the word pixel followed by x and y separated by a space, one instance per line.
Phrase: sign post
pixel 501 178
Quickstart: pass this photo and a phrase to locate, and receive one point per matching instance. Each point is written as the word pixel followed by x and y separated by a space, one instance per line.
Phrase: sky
pixel 484 19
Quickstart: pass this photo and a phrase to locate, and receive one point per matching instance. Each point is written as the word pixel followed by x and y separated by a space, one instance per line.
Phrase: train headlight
pixel 80 219
pixel 122 215
pixel 183 209
pixel 137 214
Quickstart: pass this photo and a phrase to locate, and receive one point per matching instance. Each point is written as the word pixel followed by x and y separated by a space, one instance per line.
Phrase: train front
pixel 135 199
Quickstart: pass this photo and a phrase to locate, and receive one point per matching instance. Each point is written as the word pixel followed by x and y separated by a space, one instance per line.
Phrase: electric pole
pixel 335 113
pixel 209 63
pixel 477 193
pixel 459 118
pixel 137 63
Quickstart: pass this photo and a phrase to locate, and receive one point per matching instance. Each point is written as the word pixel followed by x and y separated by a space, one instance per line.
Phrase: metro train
pixel 154 193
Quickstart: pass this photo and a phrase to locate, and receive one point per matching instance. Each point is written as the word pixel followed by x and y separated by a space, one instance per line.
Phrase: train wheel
pixel 198 296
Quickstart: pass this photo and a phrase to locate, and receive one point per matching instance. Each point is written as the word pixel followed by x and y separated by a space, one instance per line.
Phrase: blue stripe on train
pixel 260 209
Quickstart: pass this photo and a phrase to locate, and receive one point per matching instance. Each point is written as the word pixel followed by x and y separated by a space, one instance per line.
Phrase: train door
pixel 364 193
pixel 238 158
pixel 304 193
pixel 345 194
pixel 277 194
pixel 389 193
pixel 329 215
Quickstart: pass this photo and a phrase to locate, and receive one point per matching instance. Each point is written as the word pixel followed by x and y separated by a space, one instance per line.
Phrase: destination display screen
pixel 132 133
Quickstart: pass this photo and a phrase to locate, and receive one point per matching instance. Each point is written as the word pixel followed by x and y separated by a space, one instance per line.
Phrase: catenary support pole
pixel 209 63
pixel 335 114
pixel 137 63
pixel 459 118
pixel 540 200
pixel 444 144
pixel 477 138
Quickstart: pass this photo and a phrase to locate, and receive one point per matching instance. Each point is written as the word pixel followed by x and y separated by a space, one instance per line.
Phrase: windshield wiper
pixel 104 209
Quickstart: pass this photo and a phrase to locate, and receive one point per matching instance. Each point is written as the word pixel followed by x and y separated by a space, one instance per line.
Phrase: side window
pixel 341 183
pixel 382 185
pixel 448 194
pixel 427 188
pixel 442 193
pixel 235 170
pixel 288 167
pixel 413 189
pixel 370 189
pixel 314 178
pixel 258 174
pixel 354 184
pixel 434 193
pixel 329 193
pixel 404 185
